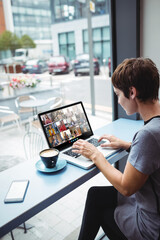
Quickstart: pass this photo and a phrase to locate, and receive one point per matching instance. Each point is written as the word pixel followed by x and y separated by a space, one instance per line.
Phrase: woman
pixel 51 130
pixel 55 141
pixel 129 209
pixel 47 119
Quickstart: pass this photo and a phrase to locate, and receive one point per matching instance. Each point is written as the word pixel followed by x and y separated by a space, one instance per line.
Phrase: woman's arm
pixel 126 183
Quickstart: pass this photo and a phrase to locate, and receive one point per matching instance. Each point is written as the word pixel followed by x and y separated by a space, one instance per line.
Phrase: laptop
pixel 65 125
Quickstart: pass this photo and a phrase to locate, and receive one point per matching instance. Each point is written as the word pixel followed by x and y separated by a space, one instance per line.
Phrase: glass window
pixel 106 33
pixel 101 7
pixel 62 38
pixel 16 19
pixel 35 2
pixel 85 48
pixel 63 50
pixel 106 50
pixel 22 10
pixel 43 12
pixel 22 19
pixel 71 51
pixel 85 36
pixel 37 12
pixel 70 37
pixel 64 2
pixel 97 50
pixel 97 34
pixel 34 18
pixel 48 13
pixel 38 19
pixel 67 44
pixel 57 12
pixel 57 2
pixel 70 9
pixel 29 11
pixel 14 9
pixel 101 41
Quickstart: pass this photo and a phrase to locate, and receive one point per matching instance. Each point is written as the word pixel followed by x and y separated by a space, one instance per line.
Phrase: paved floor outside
pixel 61 220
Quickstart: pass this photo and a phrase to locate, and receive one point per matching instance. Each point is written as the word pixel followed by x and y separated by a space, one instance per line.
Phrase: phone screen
pixel 17 190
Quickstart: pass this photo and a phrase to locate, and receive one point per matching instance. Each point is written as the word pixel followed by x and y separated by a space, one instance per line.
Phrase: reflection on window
pixel 101 7
pixel 101 43
pixel 62 38
pixel 67 45
pixel 66 10
pixel 97 34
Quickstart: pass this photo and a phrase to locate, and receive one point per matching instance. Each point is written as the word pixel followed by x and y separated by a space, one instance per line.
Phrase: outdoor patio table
pixel 34 104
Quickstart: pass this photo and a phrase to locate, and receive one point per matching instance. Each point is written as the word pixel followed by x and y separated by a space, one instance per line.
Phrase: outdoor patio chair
pixel 33 143
pixel 19 99
pixel 55 102
pixel 7 116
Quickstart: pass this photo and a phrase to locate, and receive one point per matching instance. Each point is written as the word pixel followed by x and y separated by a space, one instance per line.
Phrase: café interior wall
pixel 149 30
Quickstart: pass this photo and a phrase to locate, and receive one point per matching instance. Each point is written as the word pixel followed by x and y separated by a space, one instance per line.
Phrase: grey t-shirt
pixel 137 216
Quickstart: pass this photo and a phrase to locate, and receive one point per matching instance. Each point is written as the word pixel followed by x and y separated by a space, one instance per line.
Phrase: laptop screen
pixel 62 126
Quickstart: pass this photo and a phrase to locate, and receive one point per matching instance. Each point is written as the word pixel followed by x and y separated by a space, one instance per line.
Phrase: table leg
pixel 35 112
pixel 12 235
pixel 25 226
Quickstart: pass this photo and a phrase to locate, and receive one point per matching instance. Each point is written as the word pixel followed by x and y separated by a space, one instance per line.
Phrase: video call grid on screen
pixel 63 126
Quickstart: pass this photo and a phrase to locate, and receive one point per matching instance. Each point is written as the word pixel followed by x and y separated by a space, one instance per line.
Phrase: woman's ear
pixel 133 92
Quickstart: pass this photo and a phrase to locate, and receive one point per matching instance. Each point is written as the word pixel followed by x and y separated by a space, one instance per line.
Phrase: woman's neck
pixel 149 110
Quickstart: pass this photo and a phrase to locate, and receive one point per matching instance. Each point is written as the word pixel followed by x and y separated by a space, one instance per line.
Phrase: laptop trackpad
pixel 83 158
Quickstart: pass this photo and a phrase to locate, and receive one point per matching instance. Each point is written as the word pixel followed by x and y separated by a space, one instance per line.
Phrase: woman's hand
pixel 86 149
pixel 114 142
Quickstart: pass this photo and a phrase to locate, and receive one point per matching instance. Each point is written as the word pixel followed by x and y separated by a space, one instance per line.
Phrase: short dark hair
pixel 140 73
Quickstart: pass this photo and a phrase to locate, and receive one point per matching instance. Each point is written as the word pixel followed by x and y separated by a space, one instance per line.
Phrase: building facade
pixel 32 18
pixel 59 27
pixel 70 30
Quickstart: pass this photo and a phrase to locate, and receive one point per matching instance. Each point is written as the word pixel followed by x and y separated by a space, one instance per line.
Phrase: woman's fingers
pixel 84 148
pixel 105 136
pixel 78 146
pixel 108 144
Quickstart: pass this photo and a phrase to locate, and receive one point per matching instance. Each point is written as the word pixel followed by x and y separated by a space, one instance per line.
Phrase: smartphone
pixel 17 191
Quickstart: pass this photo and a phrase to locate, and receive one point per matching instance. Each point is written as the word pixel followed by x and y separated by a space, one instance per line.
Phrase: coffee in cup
pixel 49 157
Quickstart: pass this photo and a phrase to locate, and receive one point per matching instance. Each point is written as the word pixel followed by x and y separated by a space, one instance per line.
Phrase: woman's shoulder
pixel 151 129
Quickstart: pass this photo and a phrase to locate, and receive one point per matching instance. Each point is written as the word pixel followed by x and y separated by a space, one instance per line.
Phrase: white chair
pixel 8 116
pixel 57 102
pixel 19 99
pixel 33 143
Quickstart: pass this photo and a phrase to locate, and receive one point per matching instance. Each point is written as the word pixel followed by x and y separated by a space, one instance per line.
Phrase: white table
pixel 34 104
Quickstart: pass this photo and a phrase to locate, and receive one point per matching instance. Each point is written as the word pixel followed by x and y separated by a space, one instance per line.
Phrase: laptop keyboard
pixel 72 154
pixel 93 141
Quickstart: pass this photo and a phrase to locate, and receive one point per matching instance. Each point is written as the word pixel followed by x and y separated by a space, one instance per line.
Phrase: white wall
pixel 77 26
pixel 150 30
pixel 43 48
